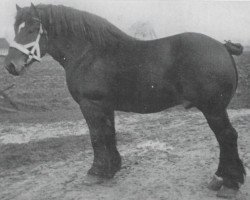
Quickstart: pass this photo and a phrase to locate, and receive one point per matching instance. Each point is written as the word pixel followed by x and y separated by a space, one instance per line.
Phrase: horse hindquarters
pixel 209 79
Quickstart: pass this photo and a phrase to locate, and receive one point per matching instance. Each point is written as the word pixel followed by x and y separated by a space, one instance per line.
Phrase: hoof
pixel 228 193
pixel 92 180
pixel 216 183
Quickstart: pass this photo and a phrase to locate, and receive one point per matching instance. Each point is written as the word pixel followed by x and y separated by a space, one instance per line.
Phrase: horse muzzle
pixel 15 61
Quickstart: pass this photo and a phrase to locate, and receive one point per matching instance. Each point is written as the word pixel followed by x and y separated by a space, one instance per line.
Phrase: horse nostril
pixel 12 69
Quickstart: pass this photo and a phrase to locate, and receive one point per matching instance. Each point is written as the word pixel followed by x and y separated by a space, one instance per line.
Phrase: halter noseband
pixel 31 49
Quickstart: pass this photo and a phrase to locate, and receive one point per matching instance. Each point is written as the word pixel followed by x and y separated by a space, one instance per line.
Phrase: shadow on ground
pixel 51 149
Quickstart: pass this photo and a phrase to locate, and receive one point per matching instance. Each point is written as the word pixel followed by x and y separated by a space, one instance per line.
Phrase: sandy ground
pixel 169 155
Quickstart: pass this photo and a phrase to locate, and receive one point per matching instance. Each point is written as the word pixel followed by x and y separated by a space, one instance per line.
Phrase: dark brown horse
pixel 107 70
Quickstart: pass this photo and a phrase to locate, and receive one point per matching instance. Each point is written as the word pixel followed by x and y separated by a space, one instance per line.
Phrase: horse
pixel 108 70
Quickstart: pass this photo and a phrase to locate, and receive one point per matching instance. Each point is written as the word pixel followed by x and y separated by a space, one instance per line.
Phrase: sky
pixel 222 20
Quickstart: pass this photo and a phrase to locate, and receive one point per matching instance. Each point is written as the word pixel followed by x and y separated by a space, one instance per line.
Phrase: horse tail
pixel 234 48
pixel 236 73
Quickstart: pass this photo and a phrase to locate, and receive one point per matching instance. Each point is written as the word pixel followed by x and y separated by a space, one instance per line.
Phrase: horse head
pixel 30 42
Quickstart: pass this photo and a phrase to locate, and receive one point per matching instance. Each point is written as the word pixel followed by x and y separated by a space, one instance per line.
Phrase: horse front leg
pixel 107 160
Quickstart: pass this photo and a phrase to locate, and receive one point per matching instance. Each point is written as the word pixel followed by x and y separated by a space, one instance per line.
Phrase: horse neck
pixel 67 50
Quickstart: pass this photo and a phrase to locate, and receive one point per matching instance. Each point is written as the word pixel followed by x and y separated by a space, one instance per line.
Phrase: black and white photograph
pixel 124 100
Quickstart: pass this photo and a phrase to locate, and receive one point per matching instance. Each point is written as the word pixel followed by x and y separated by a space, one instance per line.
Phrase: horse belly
pixel 150 100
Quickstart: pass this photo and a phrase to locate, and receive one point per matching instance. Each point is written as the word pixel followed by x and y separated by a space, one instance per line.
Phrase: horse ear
pixel 18 7
pixel 33 10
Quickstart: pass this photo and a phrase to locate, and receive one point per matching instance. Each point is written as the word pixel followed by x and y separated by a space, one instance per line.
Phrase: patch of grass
pixel 242 96
pixel 43 85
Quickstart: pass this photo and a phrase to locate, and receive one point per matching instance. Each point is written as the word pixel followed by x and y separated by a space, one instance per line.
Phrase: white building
pixel 4 45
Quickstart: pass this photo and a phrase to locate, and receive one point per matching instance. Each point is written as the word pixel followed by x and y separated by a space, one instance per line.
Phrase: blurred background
pixel 219 19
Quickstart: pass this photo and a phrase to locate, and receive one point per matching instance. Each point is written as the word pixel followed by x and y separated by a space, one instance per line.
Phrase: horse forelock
pixel 62 20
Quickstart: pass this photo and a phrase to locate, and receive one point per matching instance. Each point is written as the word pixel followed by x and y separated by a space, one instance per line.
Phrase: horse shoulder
pixel 90 80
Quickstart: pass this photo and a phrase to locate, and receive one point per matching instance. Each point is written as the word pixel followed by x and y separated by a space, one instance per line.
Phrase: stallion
pixel 107 70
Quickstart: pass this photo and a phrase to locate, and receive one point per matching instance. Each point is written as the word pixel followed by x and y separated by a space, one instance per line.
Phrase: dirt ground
pixel 169 155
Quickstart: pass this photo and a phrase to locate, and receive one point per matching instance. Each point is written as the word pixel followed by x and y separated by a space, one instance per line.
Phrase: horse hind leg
pixel 230 173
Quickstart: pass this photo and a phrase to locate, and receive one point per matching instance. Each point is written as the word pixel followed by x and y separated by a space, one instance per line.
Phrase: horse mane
pixel 62 20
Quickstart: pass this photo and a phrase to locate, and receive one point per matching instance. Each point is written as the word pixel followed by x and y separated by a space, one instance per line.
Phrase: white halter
pixel 34 53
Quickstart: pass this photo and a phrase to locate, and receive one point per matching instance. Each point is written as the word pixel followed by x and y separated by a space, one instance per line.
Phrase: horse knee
pixel 228 136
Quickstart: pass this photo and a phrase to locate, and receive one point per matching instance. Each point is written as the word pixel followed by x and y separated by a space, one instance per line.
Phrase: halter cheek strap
pixel 31 49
